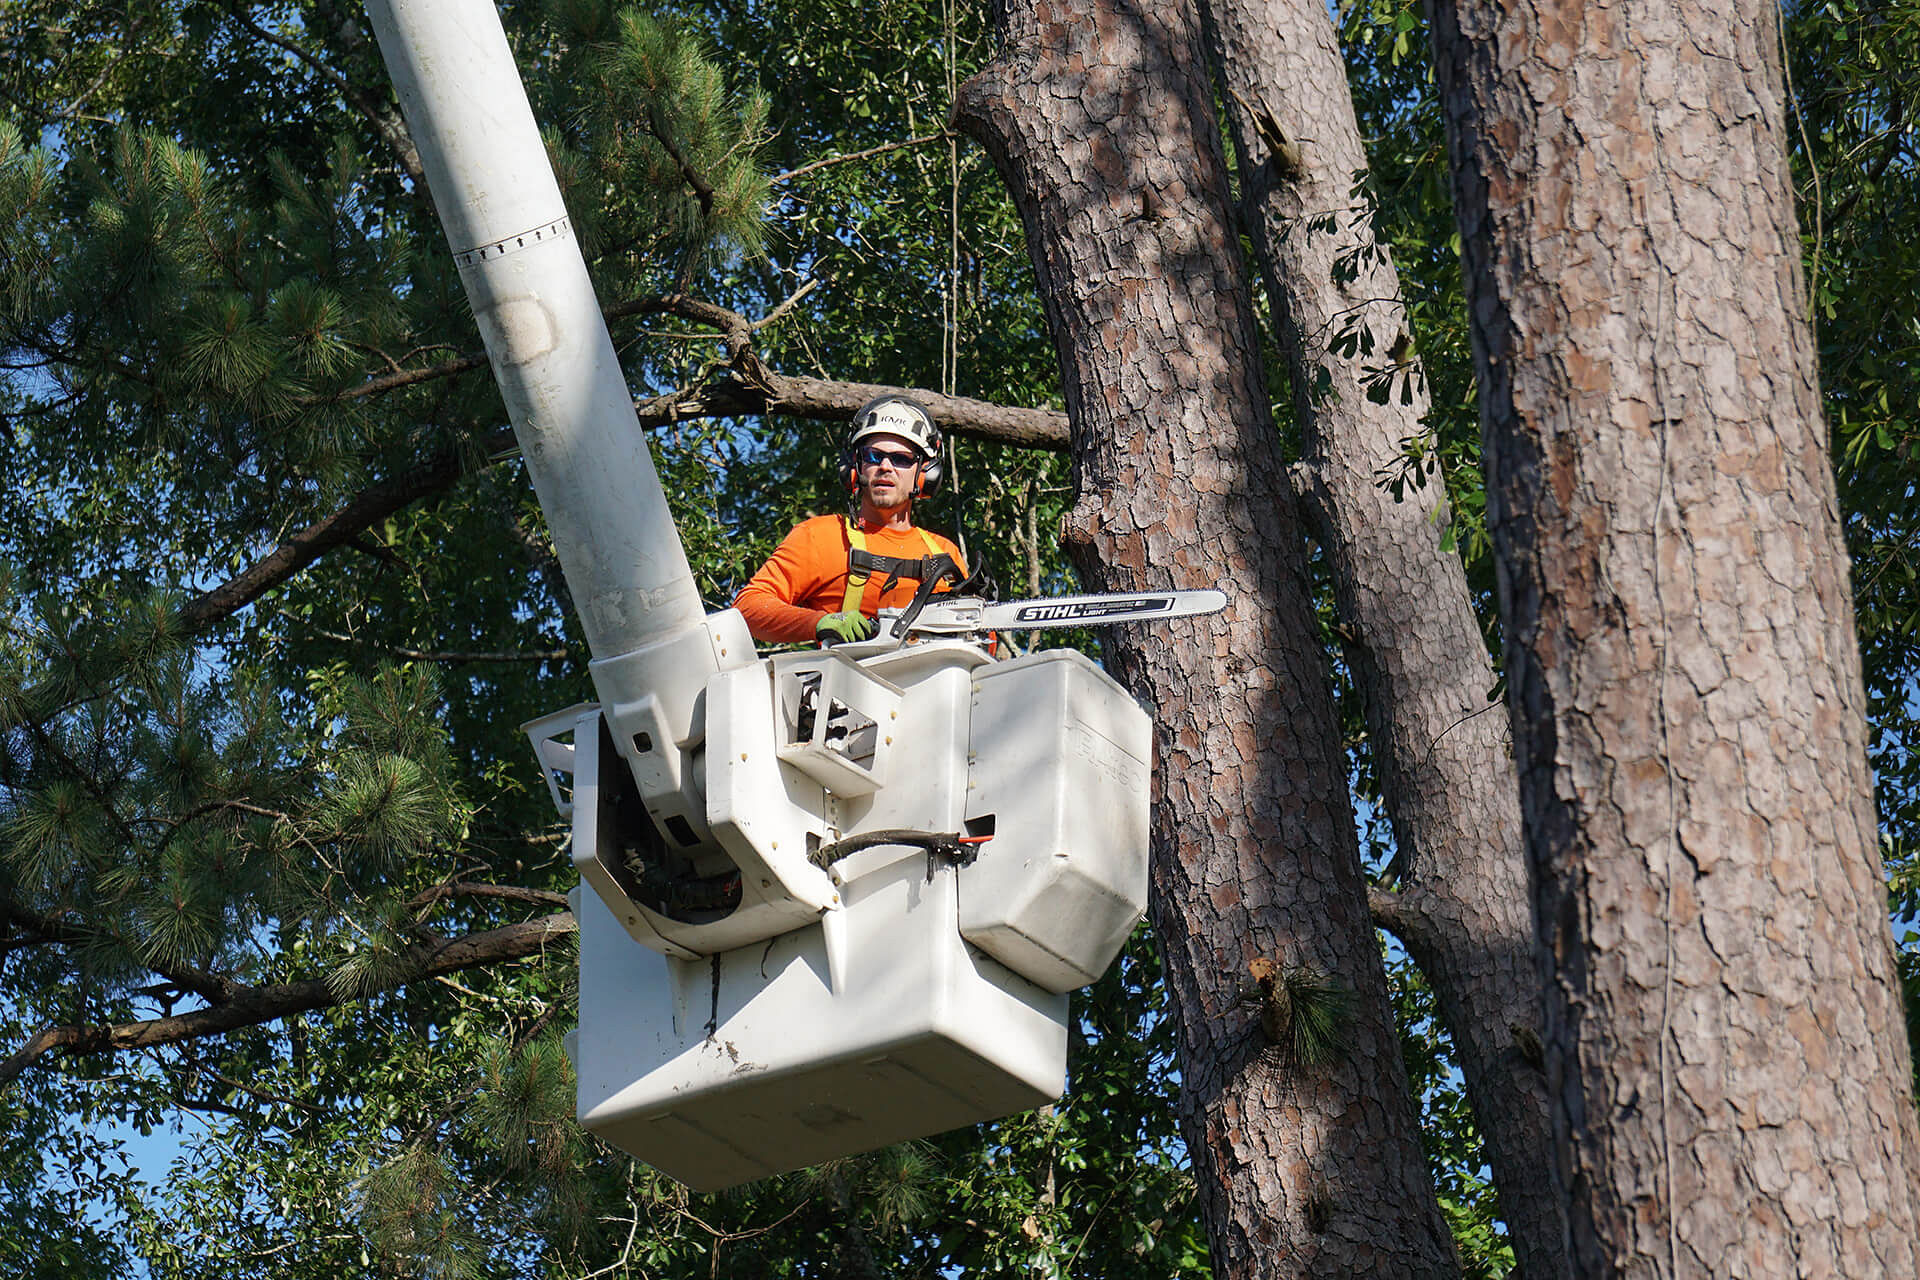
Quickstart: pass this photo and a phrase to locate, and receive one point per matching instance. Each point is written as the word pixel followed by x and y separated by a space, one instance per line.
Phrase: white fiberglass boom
pixel 572 412
pixel 493 186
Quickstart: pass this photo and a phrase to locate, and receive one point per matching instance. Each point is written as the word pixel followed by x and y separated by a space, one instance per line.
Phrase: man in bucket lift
pixel 834 573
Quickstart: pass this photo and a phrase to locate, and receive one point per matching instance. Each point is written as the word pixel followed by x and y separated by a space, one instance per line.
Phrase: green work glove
pixel 840 628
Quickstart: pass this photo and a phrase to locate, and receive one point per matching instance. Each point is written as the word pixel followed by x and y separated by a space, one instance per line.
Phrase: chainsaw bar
pixel 967 614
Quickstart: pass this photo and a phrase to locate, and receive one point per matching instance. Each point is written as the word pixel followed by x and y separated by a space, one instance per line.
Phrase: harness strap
pixel 863 564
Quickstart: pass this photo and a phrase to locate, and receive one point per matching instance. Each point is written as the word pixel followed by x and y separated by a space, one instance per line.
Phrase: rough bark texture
pixel 1423 672
pixel 1725 1055
pixel 1097 114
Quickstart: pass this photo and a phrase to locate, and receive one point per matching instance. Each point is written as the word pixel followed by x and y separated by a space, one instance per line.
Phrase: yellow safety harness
pixel 863 564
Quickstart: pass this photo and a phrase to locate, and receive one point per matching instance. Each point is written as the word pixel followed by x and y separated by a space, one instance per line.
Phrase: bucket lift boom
pixel 829 900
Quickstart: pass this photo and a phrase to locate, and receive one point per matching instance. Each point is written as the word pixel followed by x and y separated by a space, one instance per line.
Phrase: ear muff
pixel 931 471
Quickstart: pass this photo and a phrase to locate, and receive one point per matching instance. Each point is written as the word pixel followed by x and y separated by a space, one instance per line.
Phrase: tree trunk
pixel 1097 114
pixel 1725 1055
pixel 1446 770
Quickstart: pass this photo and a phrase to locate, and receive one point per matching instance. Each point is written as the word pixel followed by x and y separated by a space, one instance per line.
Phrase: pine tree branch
pixel 819 399
pixel 368 507
pixel 176 825
pixel 702 189
pixel 434 1127
pixel 73 355
pixel 89 779
pixel 406 378
pixel 129 46
pixel 757 389
pixel 851 156
pixel 385 120
pixel 474 889
pixel 736 329
pixel 541 555
pixel 195 1068
pixel 786 304
pixel 451 657
pixel 349 37
pixel 1404 914
pixel 24 928
pixel 828 400
pixel 38 926
pixel 42 929
pixel 1384 905
pixel 754 390
pixel 252 1006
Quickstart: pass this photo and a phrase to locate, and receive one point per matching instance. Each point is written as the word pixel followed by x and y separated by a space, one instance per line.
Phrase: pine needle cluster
pixel 892 1188
pixel 165 811
pixel 1303 1011
pixel 661 162
pixel 423 1207
pixel 525 1107
pixel 27 180
pixel 413 1207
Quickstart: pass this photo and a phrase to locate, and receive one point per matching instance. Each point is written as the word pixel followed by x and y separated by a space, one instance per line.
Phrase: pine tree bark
pixel 1097 114
pixel 1725 1055
pixel 1422 669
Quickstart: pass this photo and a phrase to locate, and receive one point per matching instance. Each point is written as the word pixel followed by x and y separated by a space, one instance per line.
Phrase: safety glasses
pixel 872 457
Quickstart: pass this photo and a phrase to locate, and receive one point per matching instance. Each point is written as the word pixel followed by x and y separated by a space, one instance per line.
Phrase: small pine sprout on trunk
pixel 1303 1012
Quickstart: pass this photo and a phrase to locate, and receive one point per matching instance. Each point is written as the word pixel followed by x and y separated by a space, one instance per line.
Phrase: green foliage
pixel 26 253
pixel 1399 116
pixel 921 259
pixel 49 1233
pixel 667 114
pixel 1318 1011
pixel 525 1106
pixel 412 1206
pixel 141 812
pixel 1447 1128
pixel 1098 1185
pixel 208 249
pixel 1855 89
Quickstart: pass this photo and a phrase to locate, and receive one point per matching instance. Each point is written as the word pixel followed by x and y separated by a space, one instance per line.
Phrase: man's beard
pixel 895 500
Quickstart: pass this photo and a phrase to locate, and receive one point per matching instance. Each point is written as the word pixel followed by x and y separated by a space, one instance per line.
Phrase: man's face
pixel 888 468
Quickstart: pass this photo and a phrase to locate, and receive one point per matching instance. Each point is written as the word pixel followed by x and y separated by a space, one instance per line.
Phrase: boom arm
pixel 552 357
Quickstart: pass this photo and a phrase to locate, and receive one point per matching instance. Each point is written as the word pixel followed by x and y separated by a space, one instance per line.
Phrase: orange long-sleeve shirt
pixel 806 577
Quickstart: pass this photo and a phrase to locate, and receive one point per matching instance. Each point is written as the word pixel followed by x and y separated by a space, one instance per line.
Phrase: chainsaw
pixel 970 615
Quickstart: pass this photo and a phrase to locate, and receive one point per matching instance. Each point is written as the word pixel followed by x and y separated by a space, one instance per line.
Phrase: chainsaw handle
pixel 946 569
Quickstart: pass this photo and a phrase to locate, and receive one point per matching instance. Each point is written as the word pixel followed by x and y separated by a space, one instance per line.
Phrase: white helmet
pixel 900 416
